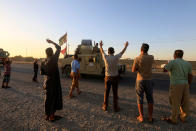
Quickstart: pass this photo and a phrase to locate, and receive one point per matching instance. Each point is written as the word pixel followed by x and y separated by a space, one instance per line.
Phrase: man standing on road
pixel 35 68
pixel 111 75
pixel 7 73
pixel 143 66
pixel 53 100
pixel 180 80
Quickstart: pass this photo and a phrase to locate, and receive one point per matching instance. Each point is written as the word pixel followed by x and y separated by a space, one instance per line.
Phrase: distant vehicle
pixel 91 61
pixel 3 56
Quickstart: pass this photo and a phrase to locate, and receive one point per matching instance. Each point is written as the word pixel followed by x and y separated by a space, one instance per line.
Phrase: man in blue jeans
pixel 143 66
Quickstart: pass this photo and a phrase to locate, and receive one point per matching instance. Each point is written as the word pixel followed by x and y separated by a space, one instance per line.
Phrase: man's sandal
pixel 70 97
pixel 79 92
pixel 140 119
pixel 151 121
pixel 168 120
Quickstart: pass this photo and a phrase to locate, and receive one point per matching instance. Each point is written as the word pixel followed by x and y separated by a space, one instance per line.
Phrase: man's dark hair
pixel 178 53
pixel 35 60
pixel 75 56
pixel 49 52
pixel 110 50
pixel 145 47
pixel 7 61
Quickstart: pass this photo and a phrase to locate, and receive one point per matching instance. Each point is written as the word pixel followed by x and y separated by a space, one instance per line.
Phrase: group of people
pixel 180 79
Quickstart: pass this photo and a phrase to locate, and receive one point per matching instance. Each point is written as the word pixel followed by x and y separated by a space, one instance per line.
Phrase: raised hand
pixel 49 41
pixel 101 43
pixel 126 44
pixel 123 51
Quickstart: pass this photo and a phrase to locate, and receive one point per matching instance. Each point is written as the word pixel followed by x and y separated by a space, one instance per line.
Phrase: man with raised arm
pixel 180 80
pixel 111 75
pixel 143 66
pixel 53 100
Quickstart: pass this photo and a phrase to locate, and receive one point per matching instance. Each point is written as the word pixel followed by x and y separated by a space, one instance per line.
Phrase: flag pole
pixel 68 48
pixel 67 45
pixel 67 53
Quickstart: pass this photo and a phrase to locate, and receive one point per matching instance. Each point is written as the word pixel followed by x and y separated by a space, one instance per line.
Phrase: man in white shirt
pixel 111 75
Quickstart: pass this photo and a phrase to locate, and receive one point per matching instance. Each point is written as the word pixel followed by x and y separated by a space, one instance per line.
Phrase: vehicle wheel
pixel 67 71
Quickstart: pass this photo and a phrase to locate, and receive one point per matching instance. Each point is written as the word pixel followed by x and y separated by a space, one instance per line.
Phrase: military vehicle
pixel 90 58
pixel 3 56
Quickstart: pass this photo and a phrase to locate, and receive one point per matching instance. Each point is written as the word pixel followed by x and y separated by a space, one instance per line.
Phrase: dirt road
pixel 22 105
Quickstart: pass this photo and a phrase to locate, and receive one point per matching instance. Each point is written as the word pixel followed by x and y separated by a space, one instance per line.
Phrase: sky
pixel 165 24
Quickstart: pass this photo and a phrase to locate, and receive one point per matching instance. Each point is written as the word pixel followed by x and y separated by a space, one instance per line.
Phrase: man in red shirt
pixel 7 72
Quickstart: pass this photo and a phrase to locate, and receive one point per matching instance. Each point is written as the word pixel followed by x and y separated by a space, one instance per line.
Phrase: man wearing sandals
pixel 52 84
pixel 180 80
pixel 111 75
pixel 143 66
pixel 75 74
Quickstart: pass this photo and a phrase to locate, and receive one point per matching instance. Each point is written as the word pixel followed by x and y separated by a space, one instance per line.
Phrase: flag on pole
pixel 64 51
pixel 63 39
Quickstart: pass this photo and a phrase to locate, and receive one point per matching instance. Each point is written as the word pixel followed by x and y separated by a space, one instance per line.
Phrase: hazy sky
pixel 165 24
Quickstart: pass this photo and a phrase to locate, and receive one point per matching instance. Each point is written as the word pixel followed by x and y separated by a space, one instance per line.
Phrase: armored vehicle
pixel 90 58
pixel 3 56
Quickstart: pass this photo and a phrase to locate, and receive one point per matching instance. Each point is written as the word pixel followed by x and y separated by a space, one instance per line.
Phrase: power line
pixel 174 41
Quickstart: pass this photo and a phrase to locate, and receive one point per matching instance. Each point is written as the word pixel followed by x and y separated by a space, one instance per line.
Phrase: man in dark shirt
pixel 35 67
pixel 52 84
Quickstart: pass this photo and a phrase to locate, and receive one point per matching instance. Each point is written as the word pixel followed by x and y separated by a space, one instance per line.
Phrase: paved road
pixel 161 81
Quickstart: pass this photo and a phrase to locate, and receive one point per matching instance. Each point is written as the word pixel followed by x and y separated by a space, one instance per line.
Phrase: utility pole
pixel 68 48
pixel 26 52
